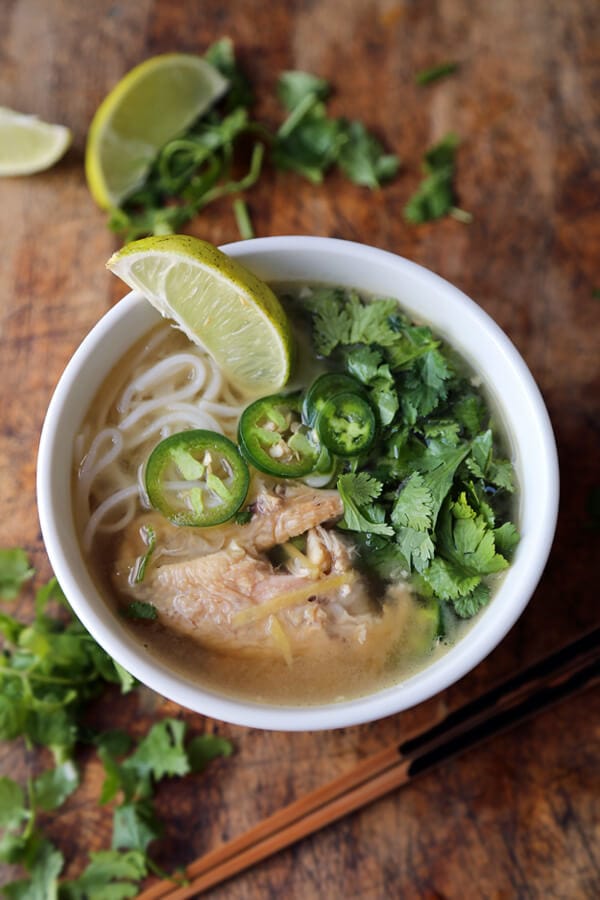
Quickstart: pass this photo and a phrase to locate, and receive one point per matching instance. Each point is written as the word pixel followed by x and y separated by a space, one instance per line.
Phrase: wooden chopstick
pixel 542 684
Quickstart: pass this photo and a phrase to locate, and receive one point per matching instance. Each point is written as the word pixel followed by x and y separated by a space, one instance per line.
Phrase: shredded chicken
pixel 217 585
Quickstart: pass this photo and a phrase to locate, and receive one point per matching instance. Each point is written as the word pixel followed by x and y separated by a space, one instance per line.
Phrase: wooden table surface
pixel 518 818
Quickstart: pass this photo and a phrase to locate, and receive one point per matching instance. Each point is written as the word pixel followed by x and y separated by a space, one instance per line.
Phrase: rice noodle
pixel 168 386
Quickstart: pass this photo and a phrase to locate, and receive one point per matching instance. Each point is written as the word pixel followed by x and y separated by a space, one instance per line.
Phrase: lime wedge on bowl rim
pixel 217 302
pixel 28 145
pixel 149 106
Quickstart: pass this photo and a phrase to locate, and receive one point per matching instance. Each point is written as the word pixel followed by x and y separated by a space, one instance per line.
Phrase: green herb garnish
pixel 50 670
pixel 427 76
pixel 242 218
pixel 431 497
pixel 434 197
pixel 141 609
pixel 197 168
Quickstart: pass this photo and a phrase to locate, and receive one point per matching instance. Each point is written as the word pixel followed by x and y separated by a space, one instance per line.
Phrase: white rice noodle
pixel 126 499
pixel 183 390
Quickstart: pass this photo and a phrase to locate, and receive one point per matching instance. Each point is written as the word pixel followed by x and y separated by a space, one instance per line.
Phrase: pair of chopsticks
pixel 537 687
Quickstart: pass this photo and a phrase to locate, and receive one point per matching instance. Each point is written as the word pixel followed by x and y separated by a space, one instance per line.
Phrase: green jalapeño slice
pixel 274 439
pixel 197 478
pixel 346 424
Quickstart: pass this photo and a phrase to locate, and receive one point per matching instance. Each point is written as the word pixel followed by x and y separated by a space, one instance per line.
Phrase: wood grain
pixel 520 818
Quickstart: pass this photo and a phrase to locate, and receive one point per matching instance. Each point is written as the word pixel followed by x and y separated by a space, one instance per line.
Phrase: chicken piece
pixel 215 586
pixel 203 597
pixel 277 517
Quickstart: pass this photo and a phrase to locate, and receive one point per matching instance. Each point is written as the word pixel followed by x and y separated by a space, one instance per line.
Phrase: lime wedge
pixel 28 145
pixel 152 104
pixel 217 302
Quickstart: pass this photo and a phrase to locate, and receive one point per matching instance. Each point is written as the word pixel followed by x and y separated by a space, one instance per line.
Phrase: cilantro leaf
pixel 308 144
pixel 294 86
pixel 221 55
pixel 51 788
pixel 141 609
pixel 360 513
pixel 469 605
pixel 469 411
pixel 467 542
pixel 483 465
pixel 416 547
pixel 428 76
pixel 332 319
pixel 13 809
pixel 440 465
pixel 14 572
pixel 205 747
pixel 161 752
pixel 135 826
pixel 366 364
pixel 506 539
pixel 435 195
pixel 110 875
pixel 363 159
pixel 42 883
pixel 449 582
pixel 413 505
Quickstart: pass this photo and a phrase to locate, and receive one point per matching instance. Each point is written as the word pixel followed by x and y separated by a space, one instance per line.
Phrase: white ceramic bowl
pixel 428 297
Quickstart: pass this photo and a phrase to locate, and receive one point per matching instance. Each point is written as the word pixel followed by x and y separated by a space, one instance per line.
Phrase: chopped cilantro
pixel 430 497
pixel 435 195
pixel 195 169
pixel 50 670
pixel 360 513
pixel 242 218
pixel 427 76
pixel 363 159
pixel 149 537
pixel 243 516
pixel 14 571
pixel 141 609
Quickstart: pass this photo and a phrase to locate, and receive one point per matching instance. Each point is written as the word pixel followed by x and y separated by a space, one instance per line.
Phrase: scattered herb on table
pixel 435 195
pixel 50 669
pixel 197 168
pixel 432 497
pixel 435 73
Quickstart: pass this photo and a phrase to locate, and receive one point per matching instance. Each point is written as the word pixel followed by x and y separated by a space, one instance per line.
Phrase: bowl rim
pixel 435 677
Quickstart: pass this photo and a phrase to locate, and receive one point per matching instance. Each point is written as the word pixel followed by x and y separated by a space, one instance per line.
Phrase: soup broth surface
pixel 369 635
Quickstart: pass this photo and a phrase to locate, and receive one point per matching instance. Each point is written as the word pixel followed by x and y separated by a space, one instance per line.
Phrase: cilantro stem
pixel 242 219
pixel 181 880
pixel 461 215
pixel 233 187
pixel 26 675
pixel 297 114
pixel 427 76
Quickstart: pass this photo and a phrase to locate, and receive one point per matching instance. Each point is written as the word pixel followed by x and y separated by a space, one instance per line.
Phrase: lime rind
pixel 217 303
pixel 150 105
pixel 28 145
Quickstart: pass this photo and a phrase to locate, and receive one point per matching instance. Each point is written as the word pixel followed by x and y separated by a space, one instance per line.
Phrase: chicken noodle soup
pixel 368 532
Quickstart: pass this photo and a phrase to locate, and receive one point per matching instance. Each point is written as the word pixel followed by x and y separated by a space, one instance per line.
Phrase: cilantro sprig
pixel 435 196
pixel 430 500
pixel 50 668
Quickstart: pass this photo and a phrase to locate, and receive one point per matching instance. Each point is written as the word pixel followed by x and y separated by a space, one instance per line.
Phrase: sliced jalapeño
pixel 197 478
pixel 274 439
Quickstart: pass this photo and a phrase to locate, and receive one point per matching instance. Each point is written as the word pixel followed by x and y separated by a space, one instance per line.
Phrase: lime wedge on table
pixel 152 104
pixel 28 145
pixel 217 302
